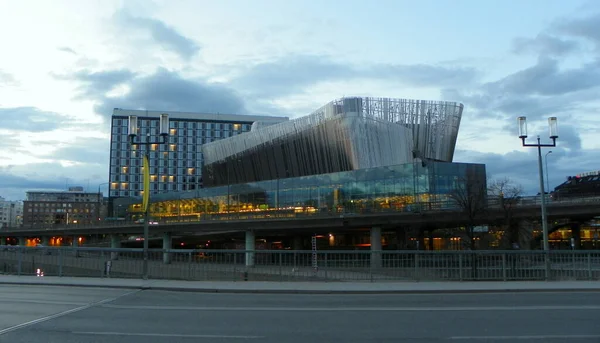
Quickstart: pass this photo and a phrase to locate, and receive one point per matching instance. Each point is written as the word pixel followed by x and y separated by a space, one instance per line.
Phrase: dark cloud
pixel 522 166
pixel 546 78
pixel 161 33
pixel 86 150
pixel 545 45
pixel 31 119
pixel 95 85
pixel 587 28
pixel 163 89
pixel 67 49
pixel 293 74
pixel 15 181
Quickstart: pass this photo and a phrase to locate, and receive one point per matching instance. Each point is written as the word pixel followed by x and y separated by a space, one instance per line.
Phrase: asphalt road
pixel 69 315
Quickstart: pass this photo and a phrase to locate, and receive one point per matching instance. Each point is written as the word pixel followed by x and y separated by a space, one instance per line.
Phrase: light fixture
pixel 133 126
pixel 522 122
pixel 164 124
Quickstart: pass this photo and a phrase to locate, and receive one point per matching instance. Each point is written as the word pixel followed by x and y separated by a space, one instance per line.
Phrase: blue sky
pixel 66 64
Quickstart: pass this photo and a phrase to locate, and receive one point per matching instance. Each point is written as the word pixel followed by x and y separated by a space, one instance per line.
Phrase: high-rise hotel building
pixel 177 164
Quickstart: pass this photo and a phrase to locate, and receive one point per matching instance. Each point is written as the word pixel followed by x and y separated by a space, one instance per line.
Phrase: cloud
pixel 31 119
pixel 587 28
pixel 522 166
pixel 7 79
pixel 67 49
pixel 97 84
pixel 545 45
pixel 293 74
pixel 161 90
pixel 164 35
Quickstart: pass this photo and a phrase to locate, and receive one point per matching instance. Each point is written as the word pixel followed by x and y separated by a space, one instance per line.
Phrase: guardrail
pixel 288 265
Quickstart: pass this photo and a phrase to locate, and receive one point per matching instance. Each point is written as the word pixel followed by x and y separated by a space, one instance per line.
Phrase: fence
pixel 288 265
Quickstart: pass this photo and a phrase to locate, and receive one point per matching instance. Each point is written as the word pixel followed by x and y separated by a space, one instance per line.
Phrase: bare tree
pixel 470 195
pixel 506 193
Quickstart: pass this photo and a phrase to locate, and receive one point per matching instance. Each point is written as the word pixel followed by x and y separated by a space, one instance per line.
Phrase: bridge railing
pixel 296 265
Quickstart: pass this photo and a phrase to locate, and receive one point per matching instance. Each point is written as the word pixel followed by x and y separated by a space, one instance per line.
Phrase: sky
pixel 64 65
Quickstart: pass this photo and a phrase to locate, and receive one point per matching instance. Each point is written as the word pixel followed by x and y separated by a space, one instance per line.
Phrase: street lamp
pixel 553 126
pixel 163 132
pixel 547 178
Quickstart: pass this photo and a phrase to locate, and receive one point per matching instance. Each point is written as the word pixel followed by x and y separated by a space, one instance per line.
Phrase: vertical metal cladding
pixel 345 134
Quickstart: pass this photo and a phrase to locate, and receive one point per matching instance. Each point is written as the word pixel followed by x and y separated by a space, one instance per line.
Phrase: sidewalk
pixel 309 287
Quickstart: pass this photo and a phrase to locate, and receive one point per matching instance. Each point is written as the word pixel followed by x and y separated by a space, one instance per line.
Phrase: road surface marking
pixel 64 313
pixel 543 337
pixel 174 335
pixel 334 309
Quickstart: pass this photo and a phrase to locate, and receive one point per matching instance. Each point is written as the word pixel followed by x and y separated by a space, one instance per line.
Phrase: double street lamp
pixel 553 126
pixel 163 133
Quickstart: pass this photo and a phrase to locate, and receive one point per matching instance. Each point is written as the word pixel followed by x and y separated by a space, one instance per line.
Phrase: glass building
pixel 422 185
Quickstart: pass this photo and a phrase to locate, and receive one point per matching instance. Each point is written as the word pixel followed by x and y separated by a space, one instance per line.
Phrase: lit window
pixel 153 147
pixel 237 126
pixel 172 132
pixel 172 147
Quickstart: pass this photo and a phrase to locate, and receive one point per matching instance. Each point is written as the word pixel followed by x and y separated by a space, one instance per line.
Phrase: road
pixel 68 315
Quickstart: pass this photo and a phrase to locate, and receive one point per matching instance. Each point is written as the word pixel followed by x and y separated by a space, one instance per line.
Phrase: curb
pixel 307 291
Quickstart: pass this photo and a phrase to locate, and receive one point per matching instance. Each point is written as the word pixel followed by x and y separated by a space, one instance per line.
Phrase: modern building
pixel 176 165
pixel 344 135
pixel 11 213
pixel 47 208
pixel 352 154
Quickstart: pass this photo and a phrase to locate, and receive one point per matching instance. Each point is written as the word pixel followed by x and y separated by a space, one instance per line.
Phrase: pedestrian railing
pixel 295 265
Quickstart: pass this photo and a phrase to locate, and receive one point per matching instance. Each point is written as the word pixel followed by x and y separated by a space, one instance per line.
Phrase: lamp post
pixel 163 132
pixel 553 126
pixel 547 178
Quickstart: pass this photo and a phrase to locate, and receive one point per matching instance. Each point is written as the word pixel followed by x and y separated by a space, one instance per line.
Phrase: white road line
pixel 542 337
pixel 64 313
pixel 334 309
pixel 45 302
pixel 171 335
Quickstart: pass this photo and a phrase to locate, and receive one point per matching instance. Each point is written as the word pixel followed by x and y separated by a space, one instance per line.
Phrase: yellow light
pixel 172 131
pixel 172 147
pixel 237 126
pixel 153 147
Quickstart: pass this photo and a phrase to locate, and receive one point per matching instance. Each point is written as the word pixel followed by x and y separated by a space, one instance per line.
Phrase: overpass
pixel 276 221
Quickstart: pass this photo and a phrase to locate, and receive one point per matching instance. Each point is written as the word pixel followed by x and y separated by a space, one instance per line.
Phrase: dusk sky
pixel 64 65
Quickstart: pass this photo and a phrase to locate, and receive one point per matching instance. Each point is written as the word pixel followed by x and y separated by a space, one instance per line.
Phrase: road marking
pixel 333 309
pixel 542 337
pixel 64 313
pixel 173 335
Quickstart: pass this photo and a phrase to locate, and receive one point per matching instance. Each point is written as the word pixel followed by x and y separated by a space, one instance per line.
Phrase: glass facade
pixel 403 188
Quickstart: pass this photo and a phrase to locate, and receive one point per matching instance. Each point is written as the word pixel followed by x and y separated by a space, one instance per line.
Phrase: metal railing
pixel 290 265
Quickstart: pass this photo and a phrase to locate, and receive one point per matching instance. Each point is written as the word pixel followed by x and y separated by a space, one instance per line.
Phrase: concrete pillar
pixel 298 244
pixel 115 243
pixel 375 247
pixel 167 245
pixel 75 242
pixel 22 241
pixel 250 247
pixel 45 241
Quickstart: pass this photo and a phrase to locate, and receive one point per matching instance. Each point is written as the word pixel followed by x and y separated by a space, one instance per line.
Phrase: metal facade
pixel 345 134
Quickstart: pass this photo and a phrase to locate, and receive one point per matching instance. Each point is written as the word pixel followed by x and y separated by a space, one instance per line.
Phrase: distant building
pixel 47 208
pixel 176 165
pixel 11 213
